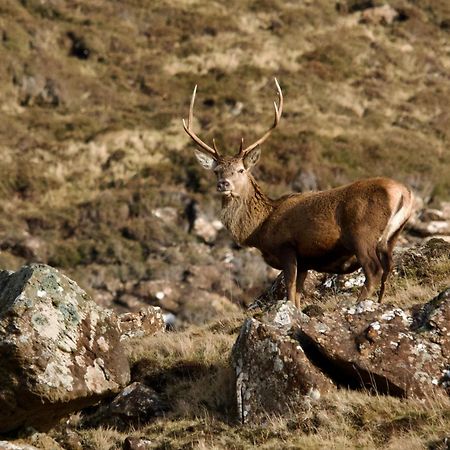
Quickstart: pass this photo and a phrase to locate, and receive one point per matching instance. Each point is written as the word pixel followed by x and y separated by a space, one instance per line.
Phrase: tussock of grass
pixel 192 368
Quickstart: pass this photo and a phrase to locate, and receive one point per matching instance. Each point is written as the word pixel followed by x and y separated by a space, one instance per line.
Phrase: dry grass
pixel 343 419
pixel 192 368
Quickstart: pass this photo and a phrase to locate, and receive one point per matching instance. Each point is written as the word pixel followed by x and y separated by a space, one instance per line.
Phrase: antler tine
pixel 204 147
pixel 278 111
pixel 191 106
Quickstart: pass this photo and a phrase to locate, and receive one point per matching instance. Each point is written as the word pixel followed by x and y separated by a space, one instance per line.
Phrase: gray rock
pixel 381 15
pixel 384 349
pixel 39 90
pixel 430 228
pixel 273 373
pixel 60 351
pixel 135 405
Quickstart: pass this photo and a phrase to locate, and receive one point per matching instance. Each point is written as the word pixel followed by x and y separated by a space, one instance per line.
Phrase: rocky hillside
pixel 99 179
pixel 77 376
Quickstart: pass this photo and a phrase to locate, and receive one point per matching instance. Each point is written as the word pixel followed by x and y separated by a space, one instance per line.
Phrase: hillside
pixel 99 179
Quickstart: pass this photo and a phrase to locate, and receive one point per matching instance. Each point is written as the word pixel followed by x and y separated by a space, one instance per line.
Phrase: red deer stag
pixel 334 231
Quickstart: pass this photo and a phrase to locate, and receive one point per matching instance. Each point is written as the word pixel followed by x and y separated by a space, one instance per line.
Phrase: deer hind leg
pixel 300 287
pixel 290 274
pixel 384 252
pixel 372 268
pixel 394 227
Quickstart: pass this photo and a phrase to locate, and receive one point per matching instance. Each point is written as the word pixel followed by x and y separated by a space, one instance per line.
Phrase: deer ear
pixel 252 157
pixel 206 161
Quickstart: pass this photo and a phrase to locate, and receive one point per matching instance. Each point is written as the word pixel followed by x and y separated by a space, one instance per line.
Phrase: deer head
pixel 233 172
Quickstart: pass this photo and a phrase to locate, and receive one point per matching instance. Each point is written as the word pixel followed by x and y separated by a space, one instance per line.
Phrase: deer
pixel 336 231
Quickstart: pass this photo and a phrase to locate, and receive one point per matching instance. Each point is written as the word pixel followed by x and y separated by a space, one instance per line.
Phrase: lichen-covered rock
pixel 135 405
pixel 383 348
pixel 59 350
pixel 146 322
pixel 272 371
pixel 283 316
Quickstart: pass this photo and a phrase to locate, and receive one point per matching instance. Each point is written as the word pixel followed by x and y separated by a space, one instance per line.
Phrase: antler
pixel 204 147
pixel 278 111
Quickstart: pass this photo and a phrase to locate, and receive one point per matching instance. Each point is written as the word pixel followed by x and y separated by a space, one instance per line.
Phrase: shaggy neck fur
pixel 243 215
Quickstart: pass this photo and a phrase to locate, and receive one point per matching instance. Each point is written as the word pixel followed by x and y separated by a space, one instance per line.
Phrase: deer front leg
pixel 290 274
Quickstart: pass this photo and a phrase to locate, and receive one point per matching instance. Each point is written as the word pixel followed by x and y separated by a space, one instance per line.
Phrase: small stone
pixel 146 322
pixel 383 15
pixel 7 445
pixel 134 443
pixel 137 404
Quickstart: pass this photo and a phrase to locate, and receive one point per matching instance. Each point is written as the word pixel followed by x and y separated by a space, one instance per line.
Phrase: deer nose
pixel 223 185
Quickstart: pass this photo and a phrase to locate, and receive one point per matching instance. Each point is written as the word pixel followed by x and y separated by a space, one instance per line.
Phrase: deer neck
pixel 243 215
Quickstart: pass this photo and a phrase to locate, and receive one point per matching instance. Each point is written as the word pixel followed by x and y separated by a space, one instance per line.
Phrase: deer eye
pixel 241 170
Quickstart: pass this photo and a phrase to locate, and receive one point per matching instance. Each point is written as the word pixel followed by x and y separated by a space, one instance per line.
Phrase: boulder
pixel 146 322
pixel 60 351
pixel 273 374
pixel 383 348
pixel 137 404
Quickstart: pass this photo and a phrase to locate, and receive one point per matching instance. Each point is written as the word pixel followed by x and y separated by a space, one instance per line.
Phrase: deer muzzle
pixel 223 185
